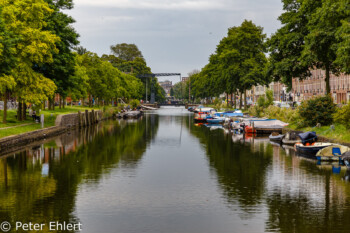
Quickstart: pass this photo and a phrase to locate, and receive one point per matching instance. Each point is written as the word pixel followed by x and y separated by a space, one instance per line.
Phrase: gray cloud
pixel 174 36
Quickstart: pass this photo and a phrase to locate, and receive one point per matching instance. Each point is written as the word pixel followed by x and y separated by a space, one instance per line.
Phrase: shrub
pixel 284 114
pixel 256 111
pixel 342 116
pixel 134 103
pixel 317 110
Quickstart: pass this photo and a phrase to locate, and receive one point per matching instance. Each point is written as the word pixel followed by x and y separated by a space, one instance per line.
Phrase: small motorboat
pixel 308 145
pixel 346 159
pixel 276 137
pixel 311 149
pixel 264 126
pixel 332 153
pixel 291 138
pixel 216 120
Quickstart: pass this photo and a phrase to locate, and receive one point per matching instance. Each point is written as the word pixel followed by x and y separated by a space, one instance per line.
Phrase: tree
pixel 308 39
pixel 172 92
pixel 62 67
pixel 25 21
pixel 239 62
pixel 321 43
pixel 8 61
pixel 126 52
pixel 137 67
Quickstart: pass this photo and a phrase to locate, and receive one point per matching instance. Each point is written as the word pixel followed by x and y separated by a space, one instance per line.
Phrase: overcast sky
pixel 174 36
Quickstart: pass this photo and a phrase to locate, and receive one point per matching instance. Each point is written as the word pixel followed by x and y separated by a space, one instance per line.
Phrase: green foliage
pixel 126 52
pixel 269 97
pixel 284 114
pixel 342 116
pixel 134 103
pixel 262 101
pixel 238 63
pixel 317 110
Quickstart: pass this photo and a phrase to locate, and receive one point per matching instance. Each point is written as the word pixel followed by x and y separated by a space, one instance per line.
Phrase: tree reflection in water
pixel 40 184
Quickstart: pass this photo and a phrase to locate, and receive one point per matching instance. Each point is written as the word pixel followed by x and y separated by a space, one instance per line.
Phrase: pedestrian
pixel 34 115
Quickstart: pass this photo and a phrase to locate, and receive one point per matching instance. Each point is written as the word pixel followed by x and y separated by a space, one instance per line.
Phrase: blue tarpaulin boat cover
pixel 307 137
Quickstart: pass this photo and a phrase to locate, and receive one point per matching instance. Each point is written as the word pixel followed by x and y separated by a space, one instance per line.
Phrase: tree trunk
pixel 63 101
pixel 328 87
pixel 24 112
pixel 227 102
pixel 90 101
pixel 240 100
pixel 60 101
pixel 4 118
pixel 245 100
pixel 235 99
pixel 19 110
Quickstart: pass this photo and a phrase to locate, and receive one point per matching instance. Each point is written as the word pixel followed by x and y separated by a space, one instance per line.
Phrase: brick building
pixel 312 86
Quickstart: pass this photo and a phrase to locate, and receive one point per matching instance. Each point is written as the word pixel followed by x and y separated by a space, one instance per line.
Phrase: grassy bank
pixel 18 127
pixel 339 134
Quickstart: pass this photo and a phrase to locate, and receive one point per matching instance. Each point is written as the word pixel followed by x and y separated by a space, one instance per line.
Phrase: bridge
pixel 153 75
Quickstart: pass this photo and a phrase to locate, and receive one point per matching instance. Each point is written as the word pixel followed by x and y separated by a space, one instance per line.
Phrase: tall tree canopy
pixel 126 52
pixel 30 44
pixel 238 63
pixel 314 34
pixel 63 65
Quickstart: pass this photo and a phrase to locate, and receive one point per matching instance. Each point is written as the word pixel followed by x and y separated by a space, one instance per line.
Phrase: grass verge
pixel 49 116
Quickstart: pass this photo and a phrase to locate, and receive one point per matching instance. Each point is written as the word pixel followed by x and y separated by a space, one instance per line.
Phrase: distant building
pixel 312 86
pixel 184 79
pixel 166 85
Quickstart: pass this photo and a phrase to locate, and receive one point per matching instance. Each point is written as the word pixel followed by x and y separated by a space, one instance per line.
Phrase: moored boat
pixel 308 145
pixel 332 153
pixel 264 126
pixel 201 114
pixel 291 138
pixel 276 137
pixel 216 120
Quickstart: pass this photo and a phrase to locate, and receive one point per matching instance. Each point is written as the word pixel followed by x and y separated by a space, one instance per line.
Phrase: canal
pixel 162 173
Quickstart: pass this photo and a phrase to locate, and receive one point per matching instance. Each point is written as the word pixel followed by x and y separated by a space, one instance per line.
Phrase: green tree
pixel 8 61
pixel 321 43
pixel 126 52
pixel 63 65
pixel 25 21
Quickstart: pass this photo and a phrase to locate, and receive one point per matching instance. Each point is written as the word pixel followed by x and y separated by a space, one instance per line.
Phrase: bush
pixel 342 116
pixel 134 103
pixel 317 110
pixel 284 114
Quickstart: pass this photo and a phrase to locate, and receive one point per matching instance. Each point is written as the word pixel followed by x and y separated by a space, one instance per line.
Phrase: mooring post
pixel 87 117
pixel 93 116
pixel 79 119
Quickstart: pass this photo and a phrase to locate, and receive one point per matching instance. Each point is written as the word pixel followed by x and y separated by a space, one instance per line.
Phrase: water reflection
pixel 297 194
pixel 40 184
pixel 164 174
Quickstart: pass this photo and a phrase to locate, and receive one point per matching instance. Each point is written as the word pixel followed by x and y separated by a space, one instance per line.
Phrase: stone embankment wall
pixel 80 119
pixel 63 123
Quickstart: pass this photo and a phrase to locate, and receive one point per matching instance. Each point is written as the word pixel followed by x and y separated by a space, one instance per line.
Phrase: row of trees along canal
pixel 314 34
pixel 40 56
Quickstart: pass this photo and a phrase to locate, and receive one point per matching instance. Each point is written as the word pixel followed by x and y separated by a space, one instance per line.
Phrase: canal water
pixel 162 173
